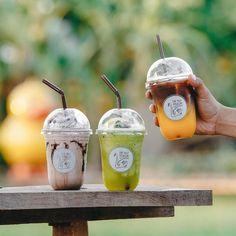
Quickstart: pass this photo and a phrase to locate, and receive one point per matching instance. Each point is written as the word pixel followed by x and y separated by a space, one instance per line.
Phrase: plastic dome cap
pixel 121 120
pixel 167 70
pixel 66 120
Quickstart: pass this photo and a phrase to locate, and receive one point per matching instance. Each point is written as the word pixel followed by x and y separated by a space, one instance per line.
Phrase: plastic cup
pixel 66 133
pixel 121 133
pixel 173 98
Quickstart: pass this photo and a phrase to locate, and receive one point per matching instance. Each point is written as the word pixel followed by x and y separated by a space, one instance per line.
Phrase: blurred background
pixel 72 43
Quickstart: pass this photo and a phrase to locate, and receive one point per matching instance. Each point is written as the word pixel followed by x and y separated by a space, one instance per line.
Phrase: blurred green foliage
pixel 73 42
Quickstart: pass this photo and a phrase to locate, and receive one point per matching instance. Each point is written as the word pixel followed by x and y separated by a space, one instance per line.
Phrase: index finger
pixel 148 95
pixel 198 86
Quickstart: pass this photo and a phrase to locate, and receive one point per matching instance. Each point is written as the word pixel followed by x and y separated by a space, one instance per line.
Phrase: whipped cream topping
pixel 69 119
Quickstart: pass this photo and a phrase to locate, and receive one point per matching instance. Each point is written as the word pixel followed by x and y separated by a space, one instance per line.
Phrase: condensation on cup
pixel 66 133
pixel 173 97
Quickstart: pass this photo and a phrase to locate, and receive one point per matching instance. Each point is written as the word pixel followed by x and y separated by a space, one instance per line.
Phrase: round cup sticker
pixel 175 107
pixel 121 159
pixel 63 160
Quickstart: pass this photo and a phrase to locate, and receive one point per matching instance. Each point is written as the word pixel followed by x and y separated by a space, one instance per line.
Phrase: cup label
pixel 175 107
pixel 63 160
pixel 121 159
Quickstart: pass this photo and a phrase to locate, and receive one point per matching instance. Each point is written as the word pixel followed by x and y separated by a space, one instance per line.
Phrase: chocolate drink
pixel 66 133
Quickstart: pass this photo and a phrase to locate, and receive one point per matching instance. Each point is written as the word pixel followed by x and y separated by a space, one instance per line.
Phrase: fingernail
pixel 150 108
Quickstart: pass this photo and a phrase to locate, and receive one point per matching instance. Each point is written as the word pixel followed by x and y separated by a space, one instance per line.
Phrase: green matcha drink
pixel 121 154
pixel 121 133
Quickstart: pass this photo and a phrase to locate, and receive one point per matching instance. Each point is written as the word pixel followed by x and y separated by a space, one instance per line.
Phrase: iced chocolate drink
pixel 66 133
pixel 173 97
pixel 121 133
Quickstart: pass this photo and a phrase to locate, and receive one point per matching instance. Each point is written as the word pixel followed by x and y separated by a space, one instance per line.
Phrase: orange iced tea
pixel 175 109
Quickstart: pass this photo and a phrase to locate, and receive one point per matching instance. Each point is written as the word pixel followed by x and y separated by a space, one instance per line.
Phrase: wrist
pixel 226 121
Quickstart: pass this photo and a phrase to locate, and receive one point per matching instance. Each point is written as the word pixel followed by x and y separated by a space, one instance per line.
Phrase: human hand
pixel 207 107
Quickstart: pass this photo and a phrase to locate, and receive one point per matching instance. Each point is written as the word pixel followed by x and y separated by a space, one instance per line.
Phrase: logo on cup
pixel 175 107
pixel 63 160
pixel 121 159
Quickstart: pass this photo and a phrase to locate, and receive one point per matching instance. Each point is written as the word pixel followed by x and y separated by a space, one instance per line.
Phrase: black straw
pixel 60 91
pixel 160 46
pixel 114 90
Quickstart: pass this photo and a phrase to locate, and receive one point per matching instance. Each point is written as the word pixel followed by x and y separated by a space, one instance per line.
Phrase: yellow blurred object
pixel 224 64
pixel 21 141
pixel 31 100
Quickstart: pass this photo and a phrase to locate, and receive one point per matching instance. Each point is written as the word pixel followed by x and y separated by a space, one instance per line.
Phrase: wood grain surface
pixel 96 196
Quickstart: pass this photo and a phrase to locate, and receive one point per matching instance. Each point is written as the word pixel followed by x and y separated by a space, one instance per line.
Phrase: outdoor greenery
pixel 73 42
pixel 218 162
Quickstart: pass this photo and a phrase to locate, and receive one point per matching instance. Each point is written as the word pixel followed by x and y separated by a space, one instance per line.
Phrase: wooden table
pixel 69 211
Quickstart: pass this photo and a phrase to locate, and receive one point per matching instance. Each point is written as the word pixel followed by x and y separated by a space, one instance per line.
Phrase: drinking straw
pixel 114 90
pixel 161 50
pixel 58 90
pixel 160 46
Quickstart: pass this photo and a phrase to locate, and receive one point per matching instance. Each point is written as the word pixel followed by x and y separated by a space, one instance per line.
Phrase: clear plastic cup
pixel 121 133
pixel 173 97
pixel 66 133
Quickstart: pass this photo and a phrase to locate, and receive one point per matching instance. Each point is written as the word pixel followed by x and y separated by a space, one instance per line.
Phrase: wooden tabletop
pixel 37 204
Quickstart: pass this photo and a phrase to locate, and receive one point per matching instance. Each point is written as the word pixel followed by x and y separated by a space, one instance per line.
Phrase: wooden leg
pixel 79 228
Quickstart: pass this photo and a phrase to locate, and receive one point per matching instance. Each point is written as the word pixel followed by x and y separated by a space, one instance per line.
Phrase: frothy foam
pixel 121 120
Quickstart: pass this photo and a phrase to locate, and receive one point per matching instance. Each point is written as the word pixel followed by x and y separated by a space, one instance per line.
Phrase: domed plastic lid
pixel 167 70
pixel 121 120
pixel 66 120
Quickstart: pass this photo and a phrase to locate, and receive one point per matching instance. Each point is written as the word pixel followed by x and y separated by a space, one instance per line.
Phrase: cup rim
pixel 121 131
pixel 68 131
pixel 170 79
